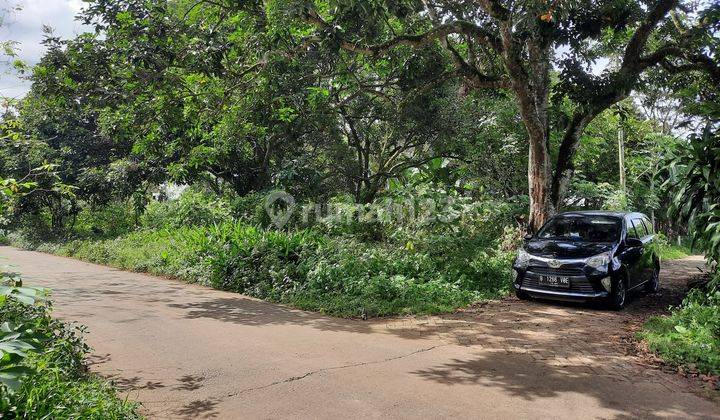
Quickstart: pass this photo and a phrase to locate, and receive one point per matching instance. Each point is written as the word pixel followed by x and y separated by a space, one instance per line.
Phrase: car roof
pixel 602 213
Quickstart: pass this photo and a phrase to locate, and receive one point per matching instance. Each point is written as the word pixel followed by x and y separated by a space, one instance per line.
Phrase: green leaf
pixel 11 382
pixel 11 377
pixel 681 329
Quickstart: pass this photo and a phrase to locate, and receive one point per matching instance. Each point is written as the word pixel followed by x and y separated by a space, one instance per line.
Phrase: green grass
pixel 50 393
pixel 338 275
pixel 690 335
pixel 675 252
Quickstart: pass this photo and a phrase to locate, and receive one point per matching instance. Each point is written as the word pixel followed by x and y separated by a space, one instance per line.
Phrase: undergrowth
pixel 42 369
pixel 690 335
pixel 305 268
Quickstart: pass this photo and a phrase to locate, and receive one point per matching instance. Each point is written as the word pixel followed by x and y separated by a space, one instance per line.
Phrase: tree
pixel 70 119
pixel 387 120
pixel 514 45
pixel 179 93
pixel 21 178
pixel 10 63
pixel 231 106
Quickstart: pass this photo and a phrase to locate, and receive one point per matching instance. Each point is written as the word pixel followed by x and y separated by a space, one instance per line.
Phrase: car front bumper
pixel 561 294
pixel 585 282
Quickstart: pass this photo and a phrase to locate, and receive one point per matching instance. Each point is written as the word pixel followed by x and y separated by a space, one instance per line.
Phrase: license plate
pixel 555 281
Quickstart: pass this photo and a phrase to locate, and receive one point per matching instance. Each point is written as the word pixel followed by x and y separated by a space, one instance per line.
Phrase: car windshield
pixel 582 228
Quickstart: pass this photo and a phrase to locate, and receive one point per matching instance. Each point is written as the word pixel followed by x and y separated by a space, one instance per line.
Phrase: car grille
pixel 578 282
pixel 565 272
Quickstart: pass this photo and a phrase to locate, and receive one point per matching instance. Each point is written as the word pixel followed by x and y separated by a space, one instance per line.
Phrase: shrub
pixel 453 252
pixel 37 224
pixel 670 251
pixel 41 365
pixel 51 394
pixel 691 334
pixel 511 239
pixel 107 221
pixel 252 260
pixel 192 208
pixel 352 279
pixel 249 208
pixel 341 276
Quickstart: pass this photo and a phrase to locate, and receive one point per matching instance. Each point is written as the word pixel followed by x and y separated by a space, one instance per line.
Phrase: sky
pixel 25 27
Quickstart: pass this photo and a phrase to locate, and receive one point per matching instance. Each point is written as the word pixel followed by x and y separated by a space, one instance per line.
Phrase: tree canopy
pixel 332 97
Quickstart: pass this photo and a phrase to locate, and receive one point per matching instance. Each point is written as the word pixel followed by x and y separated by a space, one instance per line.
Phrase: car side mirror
pixel 528 236
pixel 633 243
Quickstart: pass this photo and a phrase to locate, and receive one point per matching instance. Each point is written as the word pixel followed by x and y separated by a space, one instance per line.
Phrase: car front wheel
pixel 521 295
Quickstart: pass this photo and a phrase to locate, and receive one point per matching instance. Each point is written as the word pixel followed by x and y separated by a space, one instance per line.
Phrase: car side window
pixel 631 232
pixel 640 227
pixel 649 226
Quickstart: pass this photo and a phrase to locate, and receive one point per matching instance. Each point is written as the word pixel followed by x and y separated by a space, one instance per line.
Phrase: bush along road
pixel 185 351
pixel 43 371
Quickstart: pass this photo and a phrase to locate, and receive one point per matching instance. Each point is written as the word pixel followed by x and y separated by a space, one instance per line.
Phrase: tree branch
pixel 418 40
pixel 495 9
pixel 473 76
pixel 633 50
pixel 696 61
pixel 623 80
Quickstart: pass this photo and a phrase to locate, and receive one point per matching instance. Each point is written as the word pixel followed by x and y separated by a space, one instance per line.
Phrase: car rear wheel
pixel 653 286
pixel 618 296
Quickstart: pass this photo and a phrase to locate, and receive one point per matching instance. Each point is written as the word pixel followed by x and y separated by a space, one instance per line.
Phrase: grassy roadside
pixel 690 336
pixel 425 272
pixel 675 252
pixel 340 276
pixel 42 370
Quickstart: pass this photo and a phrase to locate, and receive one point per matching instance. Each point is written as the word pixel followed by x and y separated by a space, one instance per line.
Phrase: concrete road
pixel 185 351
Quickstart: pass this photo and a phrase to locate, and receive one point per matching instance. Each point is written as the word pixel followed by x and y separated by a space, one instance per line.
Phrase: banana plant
pixel 695 181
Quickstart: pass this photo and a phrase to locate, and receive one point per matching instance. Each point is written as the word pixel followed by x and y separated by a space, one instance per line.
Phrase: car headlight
pixel 599 260
pixel 523 258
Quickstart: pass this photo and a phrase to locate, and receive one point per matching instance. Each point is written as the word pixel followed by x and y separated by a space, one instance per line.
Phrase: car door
pixel 633 256
pixel 650 252
pixel 645 268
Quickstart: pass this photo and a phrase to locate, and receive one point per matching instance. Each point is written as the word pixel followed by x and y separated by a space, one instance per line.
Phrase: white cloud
pixel 25 27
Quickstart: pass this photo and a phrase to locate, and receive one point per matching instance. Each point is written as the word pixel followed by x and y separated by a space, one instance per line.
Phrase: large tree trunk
pixel 539 183
pixel 532 91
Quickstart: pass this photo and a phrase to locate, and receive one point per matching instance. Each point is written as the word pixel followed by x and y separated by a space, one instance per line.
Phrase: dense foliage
pixel 42 373
pixel 323 98
pixel 691 334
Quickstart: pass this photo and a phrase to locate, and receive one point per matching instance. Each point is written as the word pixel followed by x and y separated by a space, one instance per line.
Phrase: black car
pixel 589 255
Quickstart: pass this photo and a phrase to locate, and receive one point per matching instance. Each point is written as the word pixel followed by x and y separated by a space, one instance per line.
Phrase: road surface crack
pixel 351 365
